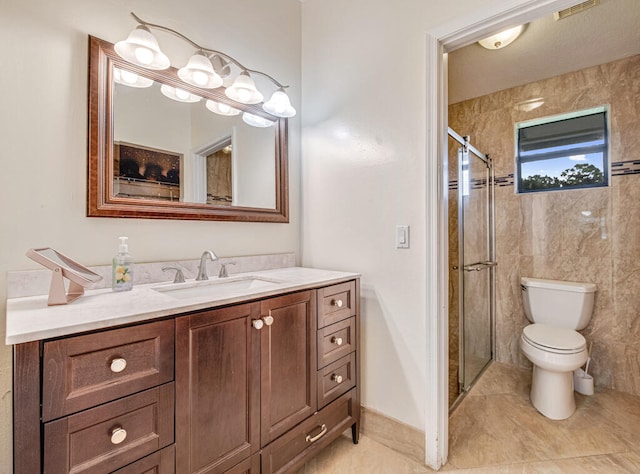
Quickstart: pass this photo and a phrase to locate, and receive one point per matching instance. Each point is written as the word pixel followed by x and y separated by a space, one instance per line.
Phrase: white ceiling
pixel 547 48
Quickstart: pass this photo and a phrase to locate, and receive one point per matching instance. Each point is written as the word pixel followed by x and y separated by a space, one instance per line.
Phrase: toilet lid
pixel 554 338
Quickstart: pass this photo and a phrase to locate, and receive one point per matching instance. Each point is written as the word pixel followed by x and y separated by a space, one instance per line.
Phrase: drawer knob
pixel 257 323
pixel 336 340
pixel 118 435
pixel 311 439
pixel 268 320
pixel 337 303
pixel 336 378
pixel 118 365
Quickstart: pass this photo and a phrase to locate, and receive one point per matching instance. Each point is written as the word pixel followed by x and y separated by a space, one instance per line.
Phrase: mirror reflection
pixel 177 149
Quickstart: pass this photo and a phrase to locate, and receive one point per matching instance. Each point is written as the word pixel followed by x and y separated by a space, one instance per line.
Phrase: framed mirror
pixel 158 156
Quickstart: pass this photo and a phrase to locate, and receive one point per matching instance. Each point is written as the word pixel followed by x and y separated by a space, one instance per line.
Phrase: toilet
pixel 557 310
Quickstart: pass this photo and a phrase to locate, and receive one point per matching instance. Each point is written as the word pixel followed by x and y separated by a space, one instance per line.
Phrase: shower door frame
pixel 489 264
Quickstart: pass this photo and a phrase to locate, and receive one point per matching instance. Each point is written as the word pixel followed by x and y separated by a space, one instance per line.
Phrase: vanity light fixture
pixel 131 79
pixel 199 72
pixel 220 108
pixel 256 120
pixel 244 90
pixel 502 39
pixel 141 48
pixel 206 68
pixel 279 105
pixel 178 94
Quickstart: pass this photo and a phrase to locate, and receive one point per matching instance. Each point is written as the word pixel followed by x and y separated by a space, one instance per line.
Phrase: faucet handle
pixel 179 278
pixel 223 269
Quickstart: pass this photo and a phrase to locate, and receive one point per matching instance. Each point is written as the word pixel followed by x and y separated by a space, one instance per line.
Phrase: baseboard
pixel 394 434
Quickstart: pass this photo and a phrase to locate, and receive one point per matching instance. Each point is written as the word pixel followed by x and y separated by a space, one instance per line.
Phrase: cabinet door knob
pixel 268 320
pixel 118 435
pixel 336 378
pixel 336 340
pixel 337 303
pixel 311 439
pixel 257 323
pixel 118 365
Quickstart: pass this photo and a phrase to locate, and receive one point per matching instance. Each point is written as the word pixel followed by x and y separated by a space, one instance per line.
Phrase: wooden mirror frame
pixel 100 199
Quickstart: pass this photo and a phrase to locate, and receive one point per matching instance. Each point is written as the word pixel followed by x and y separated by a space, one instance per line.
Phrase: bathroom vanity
pixel 255 377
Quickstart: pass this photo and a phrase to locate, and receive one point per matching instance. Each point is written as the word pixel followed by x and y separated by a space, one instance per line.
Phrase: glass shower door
pixel 475 237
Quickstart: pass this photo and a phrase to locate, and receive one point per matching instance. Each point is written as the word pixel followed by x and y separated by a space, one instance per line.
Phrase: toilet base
pixel 552 393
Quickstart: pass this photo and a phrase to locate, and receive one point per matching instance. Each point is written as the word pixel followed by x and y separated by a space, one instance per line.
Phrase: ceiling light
pixel 199 72
pixel 279 105
pixel 256 121
pixel 178 94
pixel 220 108
pixel 141 48
pixel 502 39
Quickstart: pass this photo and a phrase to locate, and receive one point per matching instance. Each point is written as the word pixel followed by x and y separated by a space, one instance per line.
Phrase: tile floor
pixel 495 430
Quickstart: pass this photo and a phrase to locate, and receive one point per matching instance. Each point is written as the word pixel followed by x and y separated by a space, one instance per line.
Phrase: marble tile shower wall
pixel 588 235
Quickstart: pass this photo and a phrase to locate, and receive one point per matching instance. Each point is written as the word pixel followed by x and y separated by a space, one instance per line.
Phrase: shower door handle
pixel 476 267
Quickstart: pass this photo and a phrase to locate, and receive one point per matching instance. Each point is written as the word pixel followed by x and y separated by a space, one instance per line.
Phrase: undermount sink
pixel 217 287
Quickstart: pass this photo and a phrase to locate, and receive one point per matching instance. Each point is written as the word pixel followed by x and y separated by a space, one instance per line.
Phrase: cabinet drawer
pixel 336 341
pixel 160 462
pixel 336 302
pixel 108 437
pixel 336 379
pixel 292 449
pixel 83 371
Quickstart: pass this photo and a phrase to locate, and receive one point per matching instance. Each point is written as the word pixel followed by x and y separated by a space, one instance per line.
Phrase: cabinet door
pixel 288 362
pixel 217 389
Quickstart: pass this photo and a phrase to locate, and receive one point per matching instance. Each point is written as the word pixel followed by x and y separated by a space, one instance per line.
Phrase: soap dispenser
pixel 122 269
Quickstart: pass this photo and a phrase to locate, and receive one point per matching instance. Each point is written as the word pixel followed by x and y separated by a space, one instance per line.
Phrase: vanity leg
pixel 355 432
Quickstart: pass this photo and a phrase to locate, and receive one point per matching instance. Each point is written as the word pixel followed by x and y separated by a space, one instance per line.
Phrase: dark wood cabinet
pixel 257 387
pixel 288 372
pixel 218 391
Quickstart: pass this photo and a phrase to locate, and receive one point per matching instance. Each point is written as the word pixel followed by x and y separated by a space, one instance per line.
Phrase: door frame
pixel 481 22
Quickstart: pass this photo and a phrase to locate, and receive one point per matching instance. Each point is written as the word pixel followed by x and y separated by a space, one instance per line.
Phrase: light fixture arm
pixel 206 50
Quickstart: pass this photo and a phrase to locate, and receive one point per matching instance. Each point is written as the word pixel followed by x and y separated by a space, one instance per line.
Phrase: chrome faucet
pixel 202 271
pixel 223 269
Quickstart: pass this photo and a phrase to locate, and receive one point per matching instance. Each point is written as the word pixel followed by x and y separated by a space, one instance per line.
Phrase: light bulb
pixel 220 108
pixel 144 55
pixel 244 95
pixel 128 76
pixel 180 94
pixel 200 78
pixel 279 105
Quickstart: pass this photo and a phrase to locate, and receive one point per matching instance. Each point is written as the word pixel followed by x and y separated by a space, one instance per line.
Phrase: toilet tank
pixel 566 304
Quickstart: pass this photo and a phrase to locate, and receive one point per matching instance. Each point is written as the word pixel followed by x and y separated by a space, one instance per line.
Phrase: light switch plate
pixel 402 236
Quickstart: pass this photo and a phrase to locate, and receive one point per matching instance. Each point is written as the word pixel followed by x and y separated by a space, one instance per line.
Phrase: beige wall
pixel 43 90
pixel 548 235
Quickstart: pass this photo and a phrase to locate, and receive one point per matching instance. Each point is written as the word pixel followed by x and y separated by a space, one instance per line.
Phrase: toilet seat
pixel 554 339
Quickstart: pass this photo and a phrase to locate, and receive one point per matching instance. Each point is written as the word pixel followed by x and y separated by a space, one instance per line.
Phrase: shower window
pixel 563 152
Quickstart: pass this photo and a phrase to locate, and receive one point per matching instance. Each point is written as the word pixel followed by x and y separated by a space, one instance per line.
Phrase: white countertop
pixel 30 319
